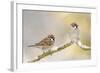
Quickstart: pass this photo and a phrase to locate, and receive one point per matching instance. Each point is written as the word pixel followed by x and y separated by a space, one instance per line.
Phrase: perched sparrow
pixel 74 33
pixel 45 44
pixel 75 36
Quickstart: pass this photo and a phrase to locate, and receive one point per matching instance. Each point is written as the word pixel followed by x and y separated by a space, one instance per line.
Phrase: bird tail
pixel 31 45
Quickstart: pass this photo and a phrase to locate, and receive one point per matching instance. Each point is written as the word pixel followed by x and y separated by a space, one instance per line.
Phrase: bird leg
pixel 44 50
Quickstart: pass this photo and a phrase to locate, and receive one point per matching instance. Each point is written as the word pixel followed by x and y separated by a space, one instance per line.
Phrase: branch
pixel 51 52
pixel 84 47
pixel 59 49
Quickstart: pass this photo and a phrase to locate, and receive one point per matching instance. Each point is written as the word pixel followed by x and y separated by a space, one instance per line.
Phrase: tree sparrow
pixel 75 36
pixel 74 33
pixel 46 44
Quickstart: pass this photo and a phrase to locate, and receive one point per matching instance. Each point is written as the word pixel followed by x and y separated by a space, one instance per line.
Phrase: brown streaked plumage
pixel 46 43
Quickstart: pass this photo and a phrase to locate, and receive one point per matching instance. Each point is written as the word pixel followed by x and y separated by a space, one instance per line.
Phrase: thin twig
pixel 50 52
pixel 54 51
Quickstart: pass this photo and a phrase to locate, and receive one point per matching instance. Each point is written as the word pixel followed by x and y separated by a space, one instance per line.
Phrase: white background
pixel 5 36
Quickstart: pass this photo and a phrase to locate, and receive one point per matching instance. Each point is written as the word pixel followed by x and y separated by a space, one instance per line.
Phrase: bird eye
pixel 52 39
pixel 75 27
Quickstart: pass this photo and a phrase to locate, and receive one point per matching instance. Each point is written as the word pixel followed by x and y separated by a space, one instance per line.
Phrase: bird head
pixel 74 25
pixel 51 36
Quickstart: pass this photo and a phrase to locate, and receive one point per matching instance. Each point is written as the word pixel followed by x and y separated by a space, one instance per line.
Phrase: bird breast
pixel 74 35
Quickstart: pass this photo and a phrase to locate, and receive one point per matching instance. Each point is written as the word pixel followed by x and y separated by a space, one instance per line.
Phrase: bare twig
pixel 54 51
pixel 50 52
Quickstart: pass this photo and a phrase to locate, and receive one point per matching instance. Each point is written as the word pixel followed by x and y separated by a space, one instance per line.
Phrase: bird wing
pixel 45 42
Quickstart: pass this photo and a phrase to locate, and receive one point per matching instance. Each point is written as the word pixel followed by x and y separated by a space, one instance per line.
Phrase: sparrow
pixel 46 44
pixel 75 36
pixel 74 33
